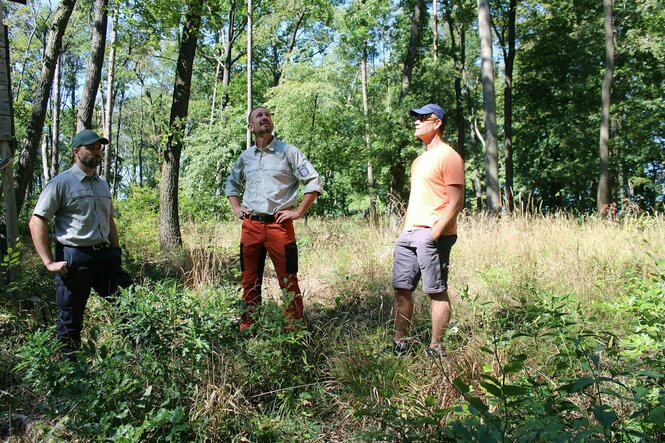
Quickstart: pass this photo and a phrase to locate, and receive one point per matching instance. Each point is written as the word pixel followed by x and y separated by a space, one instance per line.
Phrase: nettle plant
pixel 587 388
pixel 550 378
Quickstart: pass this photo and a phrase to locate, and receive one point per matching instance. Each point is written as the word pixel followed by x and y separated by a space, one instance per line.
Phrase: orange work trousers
pixel 279 241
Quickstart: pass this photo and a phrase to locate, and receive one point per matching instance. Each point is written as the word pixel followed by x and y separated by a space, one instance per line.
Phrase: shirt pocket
pixel 81 201
pixel 252 177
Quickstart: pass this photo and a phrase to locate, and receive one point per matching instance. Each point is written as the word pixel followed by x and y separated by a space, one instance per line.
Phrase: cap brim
pixel 420 111
pixel 101 140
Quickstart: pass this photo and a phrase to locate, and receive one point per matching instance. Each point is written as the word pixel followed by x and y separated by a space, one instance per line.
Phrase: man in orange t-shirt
pixel 430 229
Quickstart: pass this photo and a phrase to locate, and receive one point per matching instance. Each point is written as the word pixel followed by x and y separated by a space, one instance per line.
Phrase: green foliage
pixel 138 215
pixel 146 358
pixel 643 303
pixel 118 387
pixel 11 259
pixel 557 99
pixel 590 386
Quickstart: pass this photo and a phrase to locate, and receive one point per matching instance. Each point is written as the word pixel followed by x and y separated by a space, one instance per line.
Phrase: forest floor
pixel 557 331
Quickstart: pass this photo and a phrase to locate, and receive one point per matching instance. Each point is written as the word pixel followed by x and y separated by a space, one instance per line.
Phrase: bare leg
pixel 440 306
pixel 403 308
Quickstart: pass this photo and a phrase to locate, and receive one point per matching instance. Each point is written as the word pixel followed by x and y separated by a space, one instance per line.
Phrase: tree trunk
pixel 603 179
pixel 489 104
pixel 170 237
pixel 414 44
pixel 435 29
pixel 218 67
pixel 475 137
pixel 397 169
pixel 508 49
pixel 33 133
pixel 276 68
pixel 110 95
pixel 373 216
pixel 116 174
pixel 94 70
pixel 459 57
pixel 249 67
pixel 508 106
pixel 140 154
pixel 72 68
pixel 228 60
pixel 45 157
pixel 55 124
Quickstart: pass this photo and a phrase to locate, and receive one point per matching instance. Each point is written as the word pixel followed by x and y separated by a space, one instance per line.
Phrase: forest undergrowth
pixel 557 334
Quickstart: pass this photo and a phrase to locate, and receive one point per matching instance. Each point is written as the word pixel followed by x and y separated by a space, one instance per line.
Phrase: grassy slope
pixel 507 276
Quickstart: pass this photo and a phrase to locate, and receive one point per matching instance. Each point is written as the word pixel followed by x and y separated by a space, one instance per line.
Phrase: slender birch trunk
pixel 249 67
pixel 110 78
pixel 604 179
pixel 373 216
pixel 55 124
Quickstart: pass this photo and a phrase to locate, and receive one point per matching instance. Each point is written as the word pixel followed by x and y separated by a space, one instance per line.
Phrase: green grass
pixel 557 333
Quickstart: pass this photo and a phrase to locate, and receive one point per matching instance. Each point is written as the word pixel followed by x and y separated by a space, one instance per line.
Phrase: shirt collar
pixel 270 147
pixel 79 174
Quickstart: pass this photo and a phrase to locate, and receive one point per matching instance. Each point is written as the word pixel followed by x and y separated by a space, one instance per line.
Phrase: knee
pixel 440 296
pixel 403 296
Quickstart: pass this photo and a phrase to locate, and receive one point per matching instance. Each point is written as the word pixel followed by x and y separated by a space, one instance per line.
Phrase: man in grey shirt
pixel 271 171
pixel 87 253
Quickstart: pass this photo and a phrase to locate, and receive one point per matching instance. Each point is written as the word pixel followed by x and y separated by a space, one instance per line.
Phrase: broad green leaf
pixel 461 386
pixel 605 415
pixel 478 404
pixel 582 383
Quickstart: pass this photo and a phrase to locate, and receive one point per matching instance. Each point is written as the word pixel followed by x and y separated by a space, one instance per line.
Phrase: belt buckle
pixel 262 218
pixel 100 246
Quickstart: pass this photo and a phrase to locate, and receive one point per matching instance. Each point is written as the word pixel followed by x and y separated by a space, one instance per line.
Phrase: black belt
pixel 261 218
pixel 97 247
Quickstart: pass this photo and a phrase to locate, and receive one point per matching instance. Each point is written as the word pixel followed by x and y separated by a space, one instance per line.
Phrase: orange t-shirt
pixel 431 173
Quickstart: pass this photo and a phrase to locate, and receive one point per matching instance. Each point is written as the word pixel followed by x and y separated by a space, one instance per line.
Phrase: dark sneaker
pixel 436 351
pixel 401 349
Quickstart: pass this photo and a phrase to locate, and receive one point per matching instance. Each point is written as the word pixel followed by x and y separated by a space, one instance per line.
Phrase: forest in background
pixel 167 83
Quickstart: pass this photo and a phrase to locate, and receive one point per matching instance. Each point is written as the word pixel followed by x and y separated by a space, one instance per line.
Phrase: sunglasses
pixel 425 117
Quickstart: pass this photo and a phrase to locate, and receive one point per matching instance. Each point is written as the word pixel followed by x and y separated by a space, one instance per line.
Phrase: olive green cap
pixel 87 137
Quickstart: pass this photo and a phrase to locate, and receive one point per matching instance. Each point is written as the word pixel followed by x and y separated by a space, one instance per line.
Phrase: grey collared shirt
pixel 80 206
pixel 272 177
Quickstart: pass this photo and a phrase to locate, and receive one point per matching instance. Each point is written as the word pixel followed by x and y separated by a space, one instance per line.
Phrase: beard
pixel 263 130
pixel 91 162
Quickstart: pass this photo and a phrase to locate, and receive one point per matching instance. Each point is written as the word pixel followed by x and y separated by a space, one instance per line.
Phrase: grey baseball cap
pixel 87 137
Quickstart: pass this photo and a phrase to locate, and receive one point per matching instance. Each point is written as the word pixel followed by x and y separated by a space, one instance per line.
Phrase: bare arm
pixel 39 233
pixel 303 207
pixel 237 208
pixel 113 234
pixel 450 212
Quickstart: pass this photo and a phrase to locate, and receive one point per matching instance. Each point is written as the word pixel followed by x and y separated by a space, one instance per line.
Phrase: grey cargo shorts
pixel 417 254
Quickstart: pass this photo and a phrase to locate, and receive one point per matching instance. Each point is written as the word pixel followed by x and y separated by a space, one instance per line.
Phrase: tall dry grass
pixel 496 259
pixel 502 259
pixel 345 275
